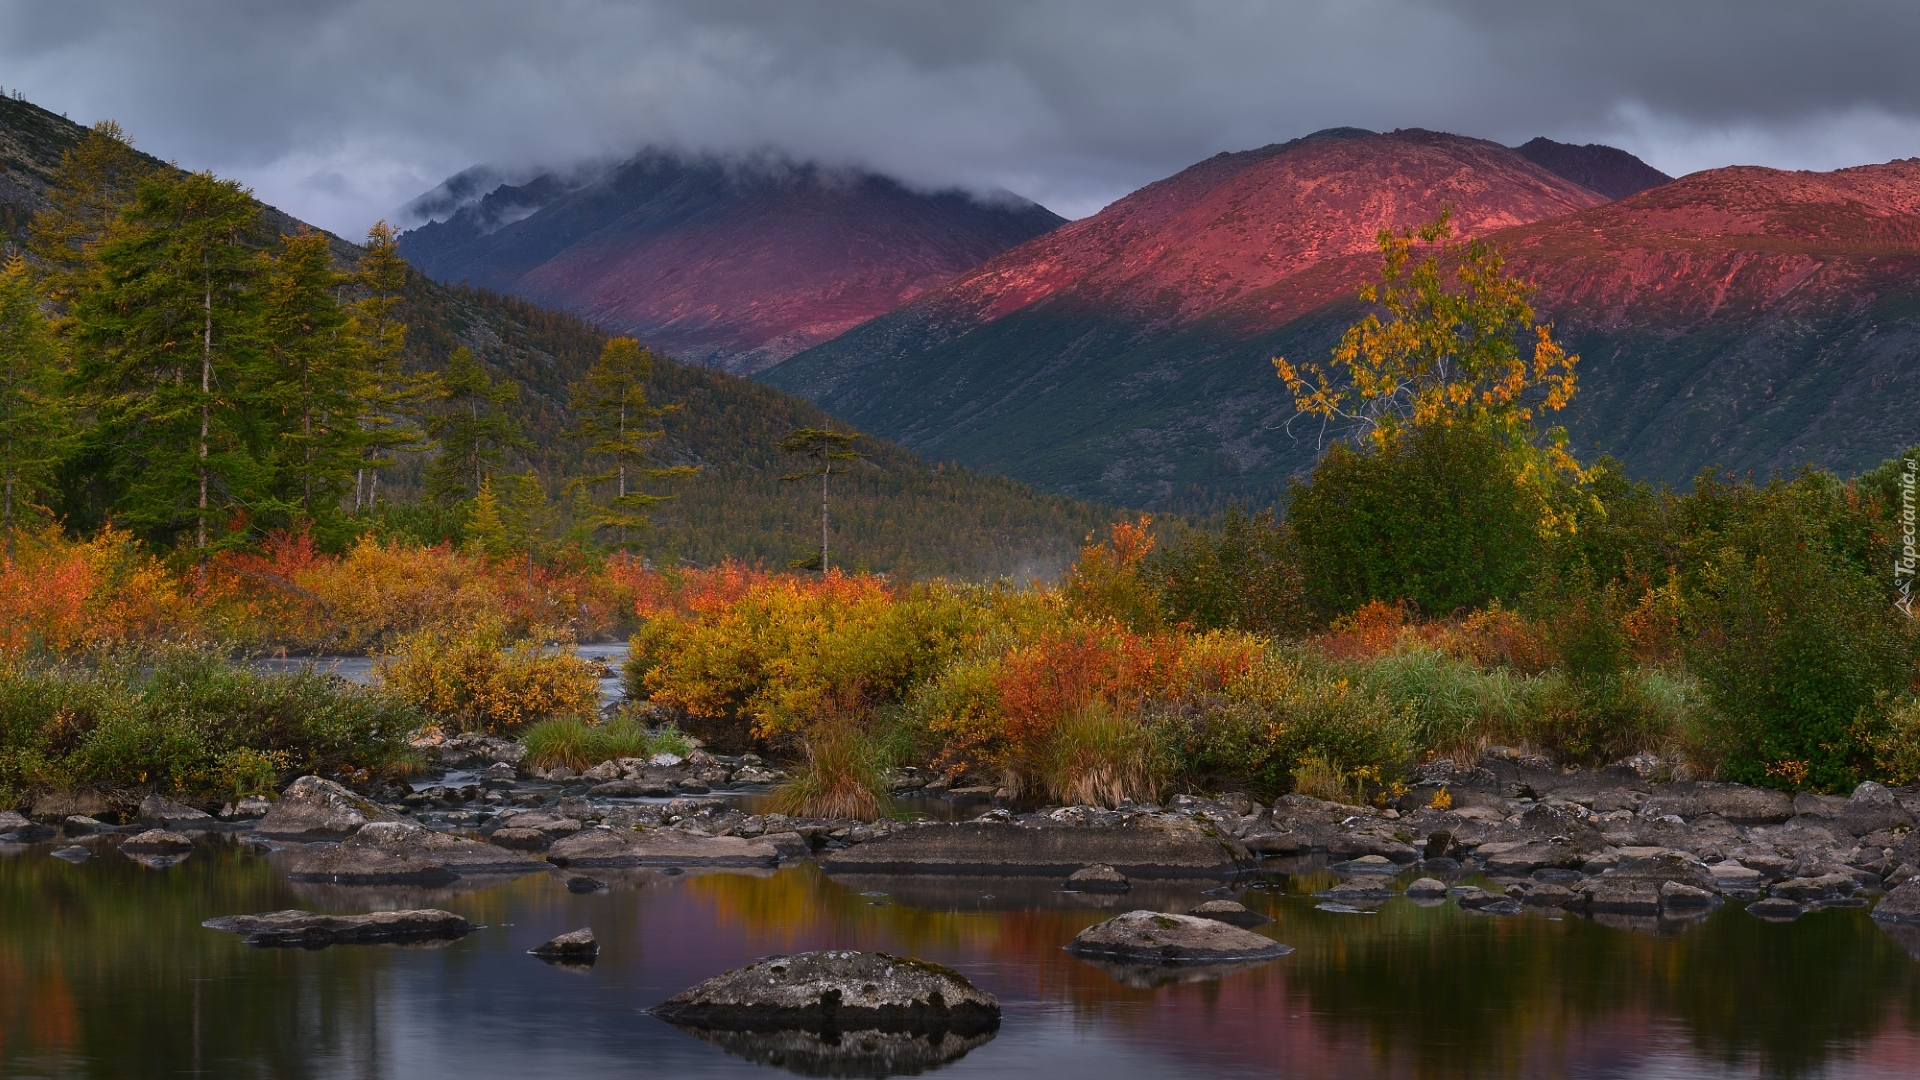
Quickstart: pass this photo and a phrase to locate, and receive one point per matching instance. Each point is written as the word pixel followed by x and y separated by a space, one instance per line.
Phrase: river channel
pixel 106 972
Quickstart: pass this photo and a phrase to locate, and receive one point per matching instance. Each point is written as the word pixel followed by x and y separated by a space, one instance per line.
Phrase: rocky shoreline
pixel 1626 844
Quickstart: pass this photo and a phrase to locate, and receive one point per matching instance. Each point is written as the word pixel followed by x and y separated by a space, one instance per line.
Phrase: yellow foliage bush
pixel 475 683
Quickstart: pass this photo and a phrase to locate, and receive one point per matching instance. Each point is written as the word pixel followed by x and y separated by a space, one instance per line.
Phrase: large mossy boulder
pixel 835 989
pixel 313 808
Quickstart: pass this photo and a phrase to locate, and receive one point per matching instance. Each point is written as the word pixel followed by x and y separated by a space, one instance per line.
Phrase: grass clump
pixel 844 775
pixel 579 744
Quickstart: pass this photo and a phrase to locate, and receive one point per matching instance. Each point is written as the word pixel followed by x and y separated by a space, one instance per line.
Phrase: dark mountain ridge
pixel 732 262
pixel 1605 169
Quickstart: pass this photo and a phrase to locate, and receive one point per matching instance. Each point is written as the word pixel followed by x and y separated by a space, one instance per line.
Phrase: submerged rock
pixel 1098 878
pixel 843 990
pixel 73 854
pixel 1231 913
pixel 1156 937
pixel 659 847
pixel 312 807
pixel 1359 890
pixel 156 842
pixel 576 947
pixel 307 930
pixel 1159 847
pixel 581 883
pixel 402 853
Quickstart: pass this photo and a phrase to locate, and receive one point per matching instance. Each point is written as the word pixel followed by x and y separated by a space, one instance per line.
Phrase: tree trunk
pixel 206 390
pixel 825 471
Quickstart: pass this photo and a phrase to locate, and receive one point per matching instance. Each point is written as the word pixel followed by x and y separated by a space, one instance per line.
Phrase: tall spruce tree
pixel 311 377
pixel 617 424
pixel 165 326
pixel 31 411
pixel 472 426
pixel 390 400
pixel 823 448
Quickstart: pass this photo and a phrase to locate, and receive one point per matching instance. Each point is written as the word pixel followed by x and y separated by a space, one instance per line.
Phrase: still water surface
pixel 106 972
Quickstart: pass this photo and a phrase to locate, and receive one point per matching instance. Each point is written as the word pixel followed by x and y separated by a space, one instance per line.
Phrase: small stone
pixel 1548 894
pixel 1231 913
pixel 1673 894
pixel 1098 878
pixel 515 839
pixel 160 810
pixel 1367 864
pixel 1776 908
pixel 581 883
pixel 1427 888
pixel 81 824
pixel 577 947
pixel 75 854
pixel 1359 890
pixel 602 772
pixel 17 828
pixel 156 842
pixel 665 761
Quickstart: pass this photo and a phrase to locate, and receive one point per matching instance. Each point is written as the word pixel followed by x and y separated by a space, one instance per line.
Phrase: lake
pixel 106 972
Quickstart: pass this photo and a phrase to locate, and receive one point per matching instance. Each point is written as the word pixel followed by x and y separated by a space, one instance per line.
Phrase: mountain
pixel 1604 169
pixel 898 513
pixel 1745 318
pixel 1105 358
pixel 733 262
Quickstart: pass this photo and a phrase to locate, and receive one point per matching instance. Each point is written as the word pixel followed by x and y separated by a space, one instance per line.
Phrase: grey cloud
pixel 342 110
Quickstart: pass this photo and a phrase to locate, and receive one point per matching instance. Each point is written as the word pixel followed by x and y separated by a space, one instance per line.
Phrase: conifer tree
pixel 95 180
pixel 616 423
pixel 31 413
pixel 472 427
pixel 165 327
pixel 313 377
pixel 823 448
pixel 527 518
pixel 486 532
pixel 389 399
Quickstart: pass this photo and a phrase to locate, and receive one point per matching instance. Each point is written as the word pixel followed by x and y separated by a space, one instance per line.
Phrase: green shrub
pixel 1438 518
pixel 1890 728
pixel 1793 634
pixel 1245 577
pixel 190 723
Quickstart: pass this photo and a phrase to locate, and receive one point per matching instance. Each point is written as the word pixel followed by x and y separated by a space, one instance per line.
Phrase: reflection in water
pixel 105 972
pixel 845 1053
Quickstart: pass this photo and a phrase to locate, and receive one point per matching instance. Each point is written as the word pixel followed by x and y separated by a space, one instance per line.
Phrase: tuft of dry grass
pixel 1101 757
pixel 845 776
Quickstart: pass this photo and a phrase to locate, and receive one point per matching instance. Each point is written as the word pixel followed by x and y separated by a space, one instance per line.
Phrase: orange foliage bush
pixel 59 595
pixel 1495 637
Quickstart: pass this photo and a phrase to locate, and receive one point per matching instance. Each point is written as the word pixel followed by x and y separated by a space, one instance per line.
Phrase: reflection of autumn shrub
pixel 475 684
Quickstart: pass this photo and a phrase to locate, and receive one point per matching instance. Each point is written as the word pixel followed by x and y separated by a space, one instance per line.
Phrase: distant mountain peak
pixel 738 260
pixel 1608 170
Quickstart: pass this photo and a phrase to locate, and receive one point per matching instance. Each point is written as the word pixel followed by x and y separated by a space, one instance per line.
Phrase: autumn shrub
pixel 784 653
pixel 475 682
pixel 1890 729
pixel 188 722
pixel 60 596
pixel 1111 580
pixel 1244 576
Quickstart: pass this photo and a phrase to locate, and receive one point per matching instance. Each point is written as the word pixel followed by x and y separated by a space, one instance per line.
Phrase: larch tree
pixel 617 424
pixel 165 333
pixel 821 447
pixel 472 427
pixel 390 400
pixel 311 377
pixel 32 415
pixel 84 199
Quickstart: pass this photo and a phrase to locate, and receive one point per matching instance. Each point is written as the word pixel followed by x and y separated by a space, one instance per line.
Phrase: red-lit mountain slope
pixel 738 263
pixel 1046 361
pixel 1743 317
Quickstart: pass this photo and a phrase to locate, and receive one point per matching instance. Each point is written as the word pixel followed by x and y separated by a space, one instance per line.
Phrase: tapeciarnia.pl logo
pixel 1904 563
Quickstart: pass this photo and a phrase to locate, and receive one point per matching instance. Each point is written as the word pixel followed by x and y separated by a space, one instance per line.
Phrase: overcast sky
pixel 341 110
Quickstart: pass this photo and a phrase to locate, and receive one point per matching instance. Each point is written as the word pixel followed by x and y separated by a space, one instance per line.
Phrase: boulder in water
pixel 1231 913
pixel 312 807
pixel 307 930
pixel 575 947
pixel 1156 937
pixel 160 810
pixel 156 842
pixel 841 990
pixel 1098 878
